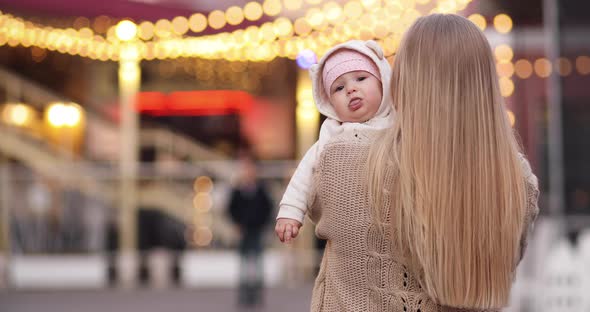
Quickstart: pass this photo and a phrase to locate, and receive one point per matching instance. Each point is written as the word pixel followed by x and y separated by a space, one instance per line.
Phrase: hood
pixel 374 52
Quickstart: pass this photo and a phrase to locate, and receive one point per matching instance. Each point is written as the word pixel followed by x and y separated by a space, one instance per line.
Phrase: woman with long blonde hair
pixel 462 196
pixel 432 214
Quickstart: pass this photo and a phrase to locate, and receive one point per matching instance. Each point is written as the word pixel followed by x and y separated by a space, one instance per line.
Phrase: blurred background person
pixel 250 209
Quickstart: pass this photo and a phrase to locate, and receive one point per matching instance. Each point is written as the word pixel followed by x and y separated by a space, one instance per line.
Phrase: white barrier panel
pixel 221 268
pixel 564 285
pixel 63 271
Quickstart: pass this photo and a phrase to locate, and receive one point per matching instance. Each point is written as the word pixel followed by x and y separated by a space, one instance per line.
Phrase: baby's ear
pixel 375 47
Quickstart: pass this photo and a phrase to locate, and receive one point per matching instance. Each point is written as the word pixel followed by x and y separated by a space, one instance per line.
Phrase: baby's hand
pixel 287 229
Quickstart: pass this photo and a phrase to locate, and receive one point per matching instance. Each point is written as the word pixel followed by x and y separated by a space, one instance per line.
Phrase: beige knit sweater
pixel 357 273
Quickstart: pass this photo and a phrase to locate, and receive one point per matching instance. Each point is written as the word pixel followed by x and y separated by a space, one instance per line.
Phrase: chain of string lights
pixel 320 26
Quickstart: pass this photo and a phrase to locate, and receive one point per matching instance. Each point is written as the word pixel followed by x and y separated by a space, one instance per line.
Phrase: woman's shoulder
pixel 526 168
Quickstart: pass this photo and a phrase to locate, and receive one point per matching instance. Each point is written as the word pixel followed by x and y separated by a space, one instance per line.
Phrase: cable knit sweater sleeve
pixel 532 186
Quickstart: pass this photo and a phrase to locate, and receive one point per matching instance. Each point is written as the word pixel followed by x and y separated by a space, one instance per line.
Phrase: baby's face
pixel 356 96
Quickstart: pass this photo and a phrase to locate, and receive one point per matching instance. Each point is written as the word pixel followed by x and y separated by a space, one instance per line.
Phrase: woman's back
pixel 363 268
pixel 461 200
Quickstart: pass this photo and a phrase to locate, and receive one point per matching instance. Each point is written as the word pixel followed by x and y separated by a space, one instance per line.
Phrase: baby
pixel 351 87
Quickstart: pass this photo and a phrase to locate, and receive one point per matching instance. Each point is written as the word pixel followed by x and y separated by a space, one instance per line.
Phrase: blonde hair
pixel 458 197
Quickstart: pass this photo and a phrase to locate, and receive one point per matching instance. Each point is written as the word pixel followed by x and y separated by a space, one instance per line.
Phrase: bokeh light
pixel 523 69
pixel 63 115
pixel 126 30
pixel 543 67
pixel 503 53
pixel 146 30
pixel 503 23
pixel 197 22
pixel 216 19
pixel 306 58
pixel 478 20
pixel 564 66
pixel 506 86
pixel 180 25
pixel 253 11
pixel 234 15
pixel 583 65
pixel 505 69
pixel 511 117
pixel 203 184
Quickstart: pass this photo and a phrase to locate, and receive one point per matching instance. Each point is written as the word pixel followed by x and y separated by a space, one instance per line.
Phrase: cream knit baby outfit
pixel 295 201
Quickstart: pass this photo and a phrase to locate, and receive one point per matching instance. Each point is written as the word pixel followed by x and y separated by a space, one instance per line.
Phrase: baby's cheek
pixel 377 98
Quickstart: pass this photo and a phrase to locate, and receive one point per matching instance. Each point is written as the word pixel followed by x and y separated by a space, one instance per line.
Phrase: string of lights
pixel 318 28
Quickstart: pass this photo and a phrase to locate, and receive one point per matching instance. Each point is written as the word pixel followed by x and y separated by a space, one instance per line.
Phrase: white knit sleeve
pixel 295 201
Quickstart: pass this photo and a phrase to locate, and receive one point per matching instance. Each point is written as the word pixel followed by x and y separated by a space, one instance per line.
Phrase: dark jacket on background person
pixel 250 207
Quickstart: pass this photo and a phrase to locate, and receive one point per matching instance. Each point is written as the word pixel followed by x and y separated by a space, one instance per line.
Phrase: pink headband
pixel 344 61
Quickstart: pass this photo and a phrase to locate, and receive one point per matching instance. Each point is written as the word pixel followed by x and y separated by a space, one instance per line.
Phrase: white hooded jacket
pixel 295 201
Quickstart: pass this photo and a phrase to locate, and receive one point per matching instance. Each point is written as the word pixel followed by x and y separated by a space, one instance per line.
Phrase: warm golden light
pixel 146 30
pixel 505 69
pixel 478 20
pixel 506 86
pixel 55 114
pixel 197 22
pixel 216 19
pixel 203 236
pixel 511 117
pixel 543 67
pixel 234 15
pixel 409 17
pixel 18 114
pixel 503 23
pixel 283 27
pixel 180 25
pixel 503 53
pixel 253 11
pixel 272 7
pixel 85 33
pixel 267 32
pixel 302 27
pixel 293 5
pixel 583 65
pixel 315 17
pixel 163 28
pixel 101 24
pixel 38 54
pixel 523 69
pixel 81 22
pixel 203 184
pixel 63 115
pixel 353 9
pixel 446 7
pixel 306 114
pixel 72 115
pixel 333 11
pixel 309 28
pixel 202 202
pixel 126 30
pixel 369 4
pixel 564 66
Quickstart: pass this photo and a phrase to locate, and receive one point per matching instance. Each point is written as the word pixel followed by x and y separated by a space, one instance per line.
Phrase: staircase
pixel 85 175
